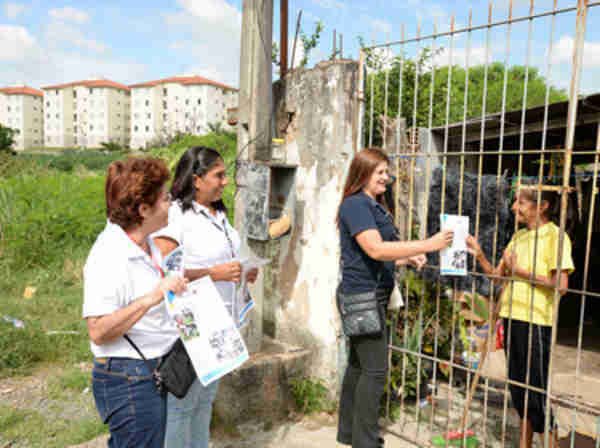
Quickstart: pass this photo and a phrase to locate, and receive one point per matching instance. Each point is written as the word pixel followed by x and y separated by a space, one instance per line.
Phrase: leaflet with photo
pixel 453 260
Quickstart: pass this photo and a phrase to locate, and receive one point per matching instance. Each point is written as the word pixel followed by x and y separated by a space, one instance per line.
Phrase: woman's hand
pixel 174 283
pixel 226 272
pixel 473 247
pixel 251 275
pixel 511 267
pixel 441 240
pixel 418 261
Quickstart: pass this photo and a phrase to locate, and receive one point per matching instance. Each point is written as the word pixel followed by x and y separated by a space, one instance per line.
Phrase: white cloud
pixel 13 10
pixel 381 26
pixel 329 4
pixel 459 57
pixel 58 33
pixel 58 57
pixel 563 52
pixel 16 43
pixel 69 14
pixel 210 33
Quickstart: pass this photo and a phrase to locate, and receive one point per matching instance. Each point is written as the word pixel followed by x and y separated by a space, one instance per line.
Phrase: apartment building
pixel 21 108
pixel 86 113
pixel 187 104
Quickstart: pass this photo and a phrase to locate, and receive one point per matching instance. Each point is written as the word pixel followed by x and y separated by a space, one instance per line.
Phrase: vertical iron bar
pixel 442 210
pixel 373 76
pixel 580 30
pixel 385 99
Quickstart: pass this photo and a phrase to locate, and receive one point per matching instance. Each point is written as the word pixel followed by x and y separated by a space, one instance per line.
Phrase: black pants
pixel 541 337
pixel 362 389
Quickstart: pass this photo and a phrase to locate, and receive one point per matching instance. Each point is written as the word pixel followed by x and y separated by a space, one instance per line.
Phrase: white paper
pixel 453 260
pixel 208 332
pixel 243 302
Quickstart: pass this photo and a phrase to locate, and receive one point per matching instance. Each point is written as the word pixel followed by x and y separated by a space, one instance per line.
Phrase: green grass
pixel 311 395
pixel 29 428
pixel 71 380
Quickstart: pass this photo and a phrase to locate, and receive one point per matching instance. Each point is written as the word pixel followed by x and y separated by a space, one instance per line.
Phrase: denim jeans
pixel 188 419
pixel 362 389
pixel 128 401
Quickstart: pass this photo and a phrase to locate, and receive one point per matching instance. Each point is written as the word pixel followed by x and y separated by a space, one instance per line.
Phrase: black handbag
pixel 174 373
pixel 361 313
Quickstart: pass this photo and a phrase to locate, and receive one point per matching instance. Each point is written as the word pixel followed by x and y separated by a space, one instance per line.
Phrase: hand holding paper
pixel 454 258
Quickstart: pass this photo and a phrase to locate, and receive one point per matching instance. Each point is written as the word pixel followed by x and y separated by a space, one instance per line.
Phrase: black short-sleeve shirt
pixel 358 213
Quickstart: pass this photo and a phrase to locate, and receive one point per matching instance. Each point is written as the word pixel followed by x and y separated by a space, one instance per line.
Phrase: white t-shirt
pixel 207 241
pixel 116 273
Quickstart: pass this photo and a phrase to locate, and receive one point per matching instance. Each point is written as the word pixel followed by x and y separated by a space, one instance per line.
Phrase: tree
pixel 7 139
pixel 379 62
pixel 309 43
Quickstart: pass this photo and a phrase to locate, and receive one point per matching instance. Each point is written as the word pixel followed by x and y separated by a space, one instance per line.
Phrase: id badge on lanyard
pixel 222 229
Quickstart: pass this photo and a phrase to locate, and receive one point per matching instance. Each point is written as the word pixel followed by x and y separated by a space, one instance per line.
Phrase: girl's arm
pixel 371 242
pixel 487 267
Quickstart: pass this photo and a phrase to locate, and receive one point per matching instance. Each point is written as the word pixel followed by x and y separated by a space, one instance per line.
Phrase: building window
pixel 147 128
pixel 57 116
pixel 47 103
pixel 199 101
pixel 74 117
pixel 149 116
pixel 135 128
pixel 91 90
pixel 91 127
pixel 164 117
pixel 147 102
pixel 187 102
pixel 74 128
pixel 165 91
pixel 56 91
pixel 74 93
pixel 164 104
pixel 187 115
pixel 8 107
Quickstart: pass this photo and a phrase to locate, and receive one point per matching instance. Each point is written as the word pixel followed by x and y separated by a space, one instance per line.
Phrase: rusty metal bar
pixel 283 38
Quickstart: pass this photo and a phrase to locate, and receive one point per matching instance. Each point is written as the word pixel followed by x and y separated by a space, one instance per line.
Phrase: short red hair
pixel 131 183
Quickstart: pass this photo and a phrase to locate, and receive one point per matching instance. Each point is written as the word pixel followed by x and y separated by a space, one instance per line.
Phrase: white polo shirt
pixel 116 273
pixel 205 241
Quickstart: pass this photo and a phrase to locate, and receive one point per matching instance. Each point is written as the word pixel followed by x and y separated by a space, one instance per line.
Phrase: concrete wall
pixel 314 114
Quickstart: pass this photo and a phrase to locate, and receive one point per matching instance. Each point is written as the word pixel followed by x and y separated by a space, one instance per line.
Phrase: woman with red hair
pixel 369 252
pixel 124 290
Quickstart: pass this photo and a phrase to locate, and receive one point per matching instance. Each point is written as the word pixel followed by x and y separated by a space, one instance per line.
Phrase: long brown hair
pixel 363 165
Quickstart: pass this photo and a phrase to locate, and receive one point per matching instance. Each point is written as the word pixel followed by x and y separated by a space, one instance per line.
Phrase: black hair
pixel 554 205
pixel 196 161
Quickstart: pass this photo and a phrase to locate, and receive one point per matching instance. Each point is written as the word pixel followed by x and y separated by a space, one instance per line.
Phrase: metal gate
pixel 471 110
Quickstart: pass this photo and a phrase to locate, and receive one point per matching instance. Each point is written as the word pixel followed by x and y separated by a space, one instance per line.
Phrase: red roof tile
pixel 22 90
pixel 184 80
pixel 90 83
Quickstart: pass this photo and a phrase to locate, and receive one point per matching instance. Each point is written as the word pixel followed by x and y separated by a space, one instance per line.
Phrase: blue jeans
pixel 128 401
pixel 188 419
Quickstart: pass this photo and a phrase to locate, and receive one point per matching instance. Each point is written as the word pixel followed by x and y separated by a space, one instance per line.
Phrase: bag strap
pixel 135 347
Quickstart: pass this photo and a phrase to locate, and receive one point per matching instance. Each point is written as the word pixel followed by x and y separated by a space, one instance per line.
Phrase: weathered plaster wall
pixel 314 115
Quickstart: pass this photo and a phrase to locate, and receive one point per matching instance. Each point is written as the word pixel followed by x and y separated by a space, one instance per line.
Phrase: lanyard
pixel 221 229
pixel 155 263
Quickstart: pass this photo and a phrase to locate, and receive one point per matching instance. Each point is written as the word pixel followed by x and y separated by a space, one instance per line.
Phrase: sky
pixel 43 42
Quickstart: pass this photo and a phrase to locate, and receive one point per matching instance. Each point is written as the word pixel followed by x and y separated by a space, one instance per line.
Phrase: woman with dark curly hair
pixel 124 290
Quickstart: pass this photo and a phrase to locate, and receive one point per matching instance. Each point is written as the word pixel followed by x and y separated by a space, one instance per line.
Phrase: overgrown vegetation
pixel 51 210
pixel 311 395
pixel 415 330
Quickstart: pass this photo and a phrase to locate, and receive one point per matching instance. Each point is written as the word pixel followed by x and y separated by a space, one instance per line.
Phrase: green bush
pixel 311 395
pixel 70 160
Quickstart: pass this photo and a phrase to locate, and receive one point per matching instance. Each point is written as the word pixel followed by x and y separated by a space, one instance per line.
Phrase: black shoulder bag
pixel 174 372
pixel 361 313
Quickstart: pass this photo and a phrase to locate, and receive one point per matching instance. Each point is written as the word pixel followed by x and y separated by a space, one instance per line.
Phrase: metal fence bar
pixel 491 25
pixel 580 30
pixel 458 139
